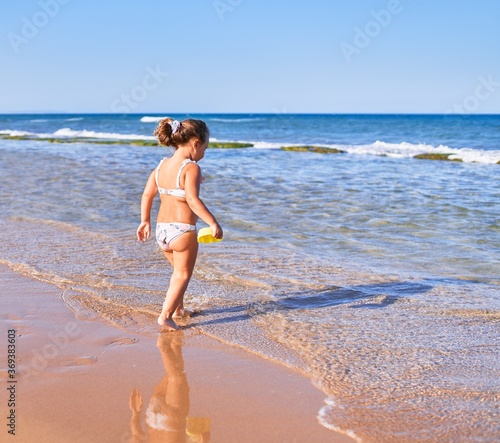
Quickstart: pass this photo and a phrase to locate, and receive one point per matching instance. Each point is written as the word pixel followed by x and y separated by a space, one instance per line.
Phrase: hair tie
pixel 175 126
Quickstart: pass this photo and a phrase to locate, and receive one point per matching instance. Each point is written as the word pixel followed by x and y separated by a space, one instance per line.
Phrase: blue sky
pixel 319 56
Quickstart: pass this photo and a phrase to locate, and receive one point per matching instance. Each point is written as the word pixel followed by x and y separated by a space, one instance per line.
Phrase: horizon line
pixel 247 113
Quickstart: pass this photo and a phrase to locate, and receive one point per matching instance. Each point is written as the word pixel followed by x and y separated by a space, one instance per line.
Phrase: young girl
pixel 178 180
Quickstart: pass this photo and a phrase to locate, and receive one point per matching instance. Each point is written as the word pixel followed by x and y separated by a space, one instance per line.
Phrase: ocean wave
pixel 147 119
pixel 378 148
pixel 67 132
pixel 408 150
pixel 269 145
pixel 256 145
pixel 74 119
pixel 14 133
pixel 394 150
pixel 234 120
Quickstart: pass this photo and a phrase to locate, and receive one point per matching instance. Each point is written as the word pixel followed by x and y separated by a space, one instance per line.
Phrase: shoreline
pixel 89 381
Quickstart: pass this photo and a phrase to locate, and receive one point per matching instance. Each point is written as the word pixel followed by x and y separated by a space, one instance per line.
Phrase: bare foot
pixel 182 313
pixel 168 324
pixel 161 319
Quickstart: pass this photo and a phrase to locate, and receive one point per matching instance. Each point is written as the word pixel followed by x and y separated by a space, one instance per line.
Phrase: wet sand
pixel 87 381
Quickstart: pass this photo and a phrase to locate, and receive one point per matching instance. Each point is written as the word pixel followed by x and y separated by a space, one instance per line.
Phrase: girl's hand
pixel 216 230
pixel 143 231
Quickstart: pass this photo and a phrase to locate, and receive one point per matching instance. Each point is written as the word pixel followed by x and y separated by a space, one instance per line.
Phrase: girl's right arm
pixel 150 190
pixel 192 187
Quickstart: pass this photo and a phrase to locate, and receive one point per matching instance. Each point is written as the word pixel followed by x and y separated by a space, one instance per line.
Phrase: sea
pixel 372 271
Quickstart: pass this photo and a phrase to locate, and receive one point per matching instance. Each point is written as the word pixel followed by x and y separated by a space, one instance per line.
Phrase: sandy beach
pixel 86 381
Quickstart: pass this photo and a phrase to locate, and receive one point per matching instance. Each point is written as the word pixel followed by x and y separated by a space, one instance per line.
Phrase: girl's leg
pixel 184 257
pixel 170 257
pixel 180 312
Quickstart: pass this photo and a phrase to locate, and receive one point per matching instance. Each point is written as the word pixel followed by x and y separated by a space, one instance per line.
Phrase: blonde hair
pixel 187 130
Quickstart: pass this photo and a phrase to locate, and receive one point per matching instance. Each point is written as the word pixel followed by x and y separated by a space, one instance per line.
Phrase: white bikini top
pixel 178 192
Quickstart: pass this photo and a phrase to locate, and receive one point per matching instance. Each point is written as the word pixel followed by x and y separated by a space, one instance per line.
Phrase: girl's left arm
pixel 150 190
pixel 192 188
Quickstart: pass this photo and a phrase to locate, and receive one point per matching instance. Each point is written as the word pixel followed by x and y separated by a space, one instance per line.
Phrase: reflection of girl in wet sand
pixel 167 414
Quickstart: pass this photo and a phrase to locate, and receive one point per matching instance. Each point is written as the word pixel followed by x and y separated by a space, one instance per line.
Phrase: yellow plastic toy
pixel 205 236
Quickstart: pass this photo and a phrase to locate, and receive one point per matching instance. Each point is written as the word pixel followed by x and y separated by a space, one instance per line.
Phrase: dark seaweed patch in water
pixel 338 296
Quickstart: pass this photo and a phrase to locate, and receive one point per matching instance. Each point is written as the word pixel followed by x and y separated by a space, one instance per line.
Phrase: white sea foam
pixel 147 119
pixel 400 150
pixel 13 133
pixel 268 145
pixel 405 150
pixel 67 132
pixel 257 145
pixel 396 150
pixel 468 155
pixel 323 420
pixel 74 119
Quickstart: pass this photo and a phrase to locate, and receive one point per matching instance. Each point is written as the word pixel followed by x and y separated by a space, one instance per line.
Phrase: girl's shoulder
pixel 193 171
pixel 192 166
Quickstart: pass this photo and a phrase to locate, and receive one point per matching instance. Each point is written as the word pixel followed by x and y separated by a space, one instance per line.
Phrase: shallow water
pixel 376 276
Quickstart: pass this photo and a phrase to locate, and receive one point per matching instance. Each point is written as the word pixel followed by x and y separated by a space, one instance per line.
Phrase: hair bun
pixel 163 132
pixel 170 132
